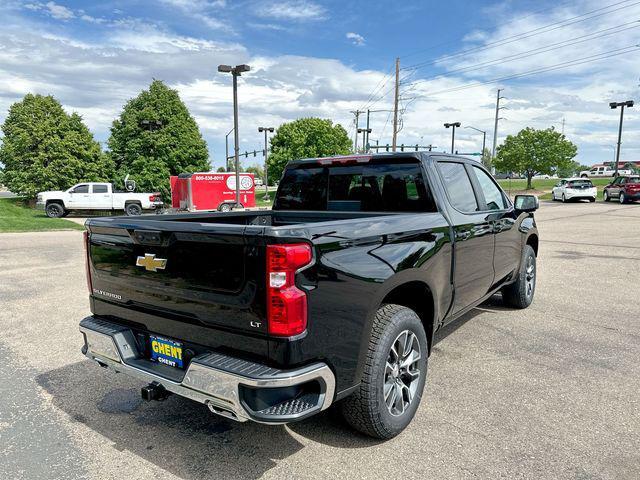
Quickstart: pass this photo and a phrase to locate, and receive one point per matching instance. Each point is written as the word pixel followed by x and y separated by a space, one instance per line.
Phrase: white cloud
pixel 299 10
pixel 356 38
pixel 59 12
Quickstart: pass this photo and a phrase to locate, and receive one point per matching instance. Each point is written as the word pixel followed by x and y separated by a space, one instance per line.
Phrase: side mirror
pixel 526 203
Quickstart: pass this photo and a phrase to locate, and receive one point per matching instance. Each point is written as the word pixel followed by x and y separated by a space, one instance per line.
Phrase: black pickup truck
pixel 333 296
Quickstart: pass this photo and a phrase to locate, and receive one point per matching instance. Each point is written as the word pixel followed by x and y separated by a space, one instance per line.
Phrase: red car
pixel 626 188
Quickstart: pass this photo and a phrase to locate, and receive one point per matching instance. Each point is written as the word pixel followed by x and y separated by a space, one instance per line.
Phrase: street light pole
pixel 484 137
pixel 614 105
pixel 235 73
pixel 226 148
pixel 364 132
pixel 266 153
pixel 453 132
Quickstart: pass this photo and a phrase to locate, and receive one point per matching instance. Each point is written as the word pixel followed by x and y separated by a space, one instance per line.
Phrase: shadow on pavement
pixel 179 435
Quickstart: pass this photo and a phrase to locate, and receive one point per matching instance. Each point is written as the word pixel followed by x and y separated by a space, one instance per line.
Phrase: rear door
pixel 474 239
pixel 100 197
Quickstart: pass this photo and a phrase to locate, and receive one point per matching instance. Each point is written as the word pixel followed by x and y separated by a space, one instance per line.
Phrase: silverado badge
pixel 151 263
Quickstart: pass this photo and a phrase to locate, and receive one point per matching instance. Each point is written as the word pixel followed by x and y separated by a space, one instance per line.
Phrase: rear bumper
pixel 231 387
pixel 632 196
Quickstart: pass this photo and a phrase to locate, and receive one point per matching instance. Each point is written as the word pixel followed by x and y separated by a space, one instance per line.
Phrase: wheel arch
pixel 533 242
pixel 418 296
pixel 55 200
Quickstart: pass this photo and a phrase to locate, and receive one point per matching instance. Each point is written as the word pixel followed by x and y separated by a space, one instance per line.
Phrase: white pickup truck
pixel 605 171
pixel 95 196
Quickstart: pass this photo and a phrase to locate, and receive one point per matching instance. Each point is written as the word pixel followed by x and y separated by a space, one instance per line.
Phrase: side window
pixel 492 194
pixel 99 189
pixel 458 186
pixel 81 189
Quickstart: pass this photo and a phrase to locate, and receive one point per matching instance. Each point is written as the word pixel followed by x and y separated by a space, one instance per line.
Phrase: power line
pixel 528 34
pixel 535 51
pixel 571 63
pixel 518 18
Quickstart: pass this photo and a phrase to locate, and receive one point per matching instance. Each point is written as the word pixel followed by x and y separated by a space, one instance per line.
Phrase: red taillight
pixel 286 303
pixel 152 198
pixel 85 235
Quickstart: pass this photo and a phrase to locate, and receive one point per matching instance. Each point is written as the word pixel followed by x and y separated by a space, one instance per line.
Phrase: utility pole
pixel 235 73
pixel 614 105
pixel 453 132
pixel 395 106
pixel 355 136
pixel 366 138
pixel 495 126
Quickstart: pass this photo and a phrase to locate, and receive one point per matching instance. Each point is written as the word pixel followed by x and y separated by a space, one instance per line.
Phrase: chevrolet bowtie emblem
pixel 151 263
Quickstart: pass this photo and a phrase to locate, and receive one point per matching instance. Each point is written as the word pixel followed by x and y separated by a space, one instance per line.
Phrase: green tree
pixel 570 170
pixel 44 148
pixel 257 170
pixel 534 152
pixel 305 138
pixel 221 169
pixel 155 137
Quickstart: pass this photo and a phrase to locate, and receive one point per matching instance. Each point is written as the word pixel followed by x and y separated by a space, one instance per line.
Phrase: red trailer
pixel 211 191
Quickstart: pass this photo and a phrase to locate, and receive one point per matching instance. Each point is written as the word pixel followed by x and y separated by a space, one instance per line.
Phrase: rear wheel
pixel 520 293
pixel 225 207
pixel 55 210
pixel 592 199
pixel 564 200
pixel 394 375
pixel 622 198
pixel 133 209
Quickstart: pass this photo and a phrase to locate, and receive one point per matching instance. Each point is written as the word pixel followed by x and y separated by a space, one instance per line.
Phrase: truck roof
pixel 387 156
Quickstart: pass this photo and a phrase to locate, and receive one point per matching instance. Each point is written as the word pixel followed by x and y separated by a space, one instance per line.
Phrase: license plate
pixel 168 352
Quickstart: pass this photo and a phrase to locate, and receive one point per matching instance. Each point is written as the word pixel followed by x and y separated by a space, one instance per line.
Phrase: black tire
pixel 133 209
pixel 622 198
pixel 55 210
pixel 366 409
pixel 592 199
pixel 225 207
pixel 605 196
pixel 584 176
pixel 520 293
pixel 564 200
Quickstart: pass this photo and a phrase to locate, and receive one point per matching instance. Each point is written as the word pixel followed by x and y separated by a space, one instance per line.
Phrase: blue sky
pixel 327 58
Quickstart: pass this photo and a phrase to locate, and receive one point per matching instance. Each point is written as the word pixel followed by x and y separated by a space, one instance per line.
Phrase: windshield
pixel 383 187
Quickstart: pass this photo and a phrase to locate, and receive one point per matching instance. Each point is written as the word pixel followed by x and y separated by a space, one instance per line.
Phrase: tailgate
pixel 211 275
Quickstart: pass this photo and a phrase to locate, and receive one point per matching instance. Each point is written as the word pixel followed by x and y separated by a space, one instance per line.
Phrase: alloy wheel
pixel 402 375
pixel 530 276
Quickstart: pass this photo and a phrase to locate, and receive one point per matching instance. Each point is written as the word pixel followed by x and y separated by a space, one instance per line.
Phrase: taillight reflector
pixel 286 303
pixel 85 235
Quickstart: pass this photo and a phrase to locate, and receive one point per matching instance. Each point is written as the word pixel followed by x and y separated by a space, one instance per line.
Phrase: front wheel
pixel 584 176
pixel 133 209
pixel 520 293
pixel 55 210
pixel 605 196
pixel 393 377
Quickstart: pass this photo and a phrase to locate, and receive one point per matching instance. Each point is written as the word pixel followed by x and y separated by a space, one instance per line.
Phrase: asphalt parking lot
pixel 549 392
